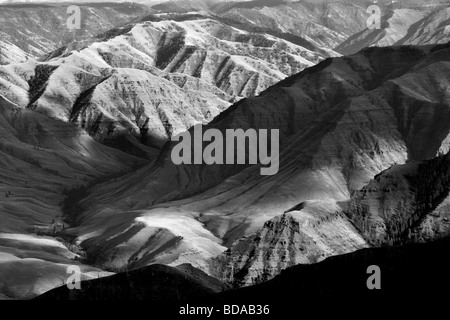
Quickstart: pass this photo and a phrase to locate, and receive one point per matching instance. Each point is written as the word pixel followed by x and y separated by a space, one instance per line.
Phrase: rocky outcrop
pixel 307 234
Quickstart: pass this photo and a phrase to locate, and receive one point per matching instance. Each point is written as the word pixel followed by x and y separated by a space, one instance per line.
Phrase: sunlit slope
pixel 135 87
pixel 415 25
pixel 365 113
pixel 41 159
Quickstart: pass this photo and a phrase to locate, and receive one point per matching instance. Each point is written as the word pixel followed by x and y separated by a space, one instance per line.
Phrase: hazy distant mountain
pixel 27 2
pixel 30 31
pixel 326 24
pixel 41 159
pixel 435 28
pixel 414 25
pixel 164 79
pixel 404 204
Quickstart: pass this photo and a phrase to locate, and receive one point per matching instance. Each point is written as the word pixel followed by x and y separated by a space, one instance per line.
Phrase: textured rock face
pixel 342 123
pixel 308 234
pixel 31 31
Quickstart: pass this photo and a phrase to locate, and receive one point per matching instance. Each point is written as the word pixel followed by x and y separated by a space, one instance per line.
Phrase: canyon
pixel 89 125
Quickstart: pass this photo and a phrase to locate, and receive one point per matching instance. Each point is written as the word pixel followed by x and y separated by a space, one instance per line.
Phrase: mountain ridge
pixel 234 202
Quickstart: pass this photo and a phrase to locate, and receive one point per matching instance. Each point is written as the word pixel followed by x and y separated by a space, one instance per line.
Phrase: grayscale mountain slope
pixel 405 203
pixel 33 30
pixel 363 140
pixel 385 213
pixel 365 114
pixel 137 86
pixel 326 24
pixel 41 159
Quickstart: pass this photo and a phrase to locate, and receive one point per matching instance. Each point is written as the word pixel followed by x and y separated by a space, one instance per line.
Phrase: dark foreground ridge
pixel 408 272
pixel 156 282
